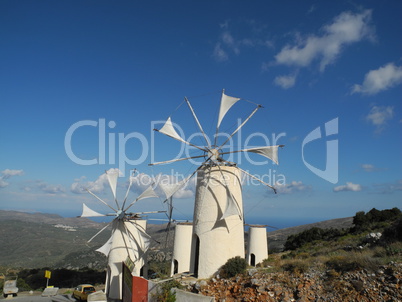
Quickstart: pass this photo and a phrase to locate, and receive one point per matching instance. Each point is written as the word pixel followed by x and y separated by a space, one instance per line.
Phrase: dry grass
pixel 333 258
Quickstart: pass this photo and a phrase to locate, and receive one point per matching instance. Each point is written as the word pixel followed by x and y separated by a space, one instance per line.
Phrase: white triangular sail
pixel 87 212
pixel 105 249
pixel 270 152
pixel 226 103
pixel 148 193
pixel 232 208
pixel 169 130
pixel 112 177
pixel 171 189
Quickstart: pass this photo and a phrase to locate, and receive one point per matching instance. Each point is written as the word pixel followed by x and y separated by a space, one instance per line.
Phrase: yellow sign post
pixel 47 276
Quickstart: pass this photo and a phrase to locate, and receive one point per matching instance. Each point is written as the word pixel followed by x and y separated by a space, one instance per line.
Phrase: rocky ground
pixel 384 284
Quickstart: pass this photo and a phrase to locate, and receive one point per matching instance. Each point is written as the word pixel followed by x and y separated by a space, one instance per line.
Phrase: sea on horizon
pixel 272 223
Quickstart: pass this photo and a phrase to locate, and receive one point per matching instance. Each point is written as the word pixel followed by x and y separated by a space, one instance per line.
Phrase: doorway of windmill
pixel 175 266
pixel 252 259
pixel 196 255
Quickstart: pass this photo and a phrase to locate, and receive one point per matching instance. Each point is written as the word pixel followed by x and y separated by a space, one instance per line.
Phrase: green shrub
pixel 233 266
pixel 159 269
pixel 22 285
pixel 394 232
pixel 298 240
pixel 374 219
pixel 165 294
pixel 363 222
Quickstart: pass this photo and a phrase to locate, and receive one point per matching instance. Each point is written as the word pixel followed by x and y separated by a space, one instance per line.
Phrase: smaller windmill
pixel 128 239
pixel 257 247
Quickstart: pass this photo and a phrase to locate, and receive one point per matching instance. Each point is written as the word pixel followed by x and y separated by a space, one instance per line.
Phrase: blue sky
pixel 128 65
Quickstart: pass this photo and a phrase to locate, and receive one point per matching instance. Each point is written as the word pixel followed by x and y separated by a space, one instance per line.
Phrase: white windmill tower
pixel 128 239
pixel 218 231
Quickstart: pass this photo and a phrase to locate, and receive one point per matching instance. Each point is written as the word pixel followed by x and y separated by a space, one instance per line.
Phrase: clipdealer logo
pixel 330 173
pixel 112 146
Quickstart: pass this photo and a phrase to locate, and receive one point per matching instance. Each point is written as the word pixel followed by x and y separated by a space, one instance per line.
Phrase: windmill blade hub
pixel 120 214
pixel 213 155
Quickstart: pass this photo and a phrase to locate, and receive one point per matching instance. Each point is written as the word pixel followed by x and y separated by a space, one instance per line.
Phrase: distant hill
pixel 277 239
pixel 37 240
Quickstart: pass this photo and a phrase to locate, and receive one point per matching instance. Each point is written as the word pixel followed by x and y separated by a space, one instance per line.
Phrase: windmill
pixel 218 232
pixel 257 246
pixel 128 239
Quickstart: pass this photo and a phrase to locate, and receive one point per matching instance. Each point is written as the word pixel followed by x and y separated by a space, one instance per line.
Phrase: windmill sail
pixel 112 177
pixel 105 249
pixel 171 189
pixel 169 130
pixel 148 193
pixel 226 103
pixel 270 152
pixel 232 207
pixel 87 212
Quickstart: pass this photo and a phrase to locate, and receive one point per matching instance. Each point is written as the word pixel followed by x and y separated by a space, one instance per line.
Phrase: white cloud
pixel 285 82
pixel 371 168
pixel 3 183
pixel 380 79
pixel 50 189
pixel 348 187
pixel 368 167
pixel 347 28
pixel 294 186
pixel 6 174
pixel 219 54
pixel 228 44
pixel 33 186
pixel 379 116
